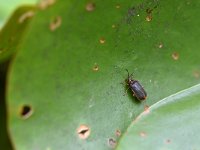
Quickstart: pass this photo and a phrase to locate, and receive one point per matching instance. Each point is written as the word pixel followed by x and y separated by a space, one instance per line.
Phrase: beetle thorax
pixel 130 81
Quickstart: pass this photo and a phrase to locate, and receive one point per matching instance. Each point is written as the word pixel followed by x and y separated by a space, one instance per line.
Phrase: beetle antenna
pixel 128 73
pixel 131 75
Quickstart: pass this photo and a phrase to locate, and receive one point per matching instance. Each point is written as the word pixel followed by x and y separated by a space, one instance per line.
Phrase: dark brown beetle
pixel 136 88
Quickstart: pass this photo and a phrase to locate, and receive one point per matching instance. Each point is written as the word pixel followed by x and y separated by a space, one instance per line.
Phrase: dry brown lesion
pixel 90 7
pixel 196 74
pixel 149 14
pixel 26 15
pixel 102 40
pixel 55 23
pixel 43 4
pixel 117 6
pixel 95 67
pixel 118 133
pixel 175 56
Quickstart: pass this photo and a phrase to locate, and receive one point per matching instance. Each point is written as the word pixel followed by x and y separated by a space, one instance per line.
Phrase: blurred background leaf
pixel 10 37
pixel 14 31
pixel 5 143
pixel 7 8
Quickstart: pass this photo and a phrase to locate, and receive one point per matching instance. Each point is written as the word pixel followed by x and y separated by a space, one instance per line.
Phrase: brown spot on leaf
pixel 90 6
pixel 26 15
pixel 96 67
pixel 143 134
pixel 175 56
pixel 118 132
pixel 146 109
pixel 55 23
pixel 113 26
pixel 83 131
pixel 102 40
pixel 196 74
pixel 148 18
pixel 117 6
pixel 149 14
pixel 43 4
pixel 160 45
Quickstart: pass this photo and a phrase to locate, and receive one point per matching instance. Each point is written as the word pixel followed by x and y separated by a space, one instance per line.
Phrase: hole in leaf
pixel 83 131
pixel 26 111
pixel 112 142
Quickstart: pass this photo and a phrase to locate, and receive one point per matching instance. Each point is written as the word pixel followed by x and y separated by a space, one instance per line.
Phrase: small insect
pixel 136 88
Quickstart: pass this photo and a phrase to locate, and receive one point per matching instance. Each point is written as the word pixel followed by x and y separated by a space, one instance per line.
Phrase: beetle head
pixel 129 79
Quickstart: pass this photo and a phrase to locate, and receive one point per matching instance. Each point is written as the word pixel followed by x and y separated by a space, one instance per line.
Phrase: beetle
pixel 136 88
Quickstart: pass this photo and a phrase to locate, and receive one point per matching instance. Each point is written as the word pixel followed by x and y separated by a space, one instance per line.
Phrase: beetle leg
pixel 122 83
pixel 126 91
pixel 133 93
pixel 131 75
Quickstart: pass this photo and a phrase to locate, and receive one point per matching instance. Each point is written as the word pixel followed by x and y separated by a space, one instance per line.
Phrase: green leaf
pixel 71 75
pixel 172 123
